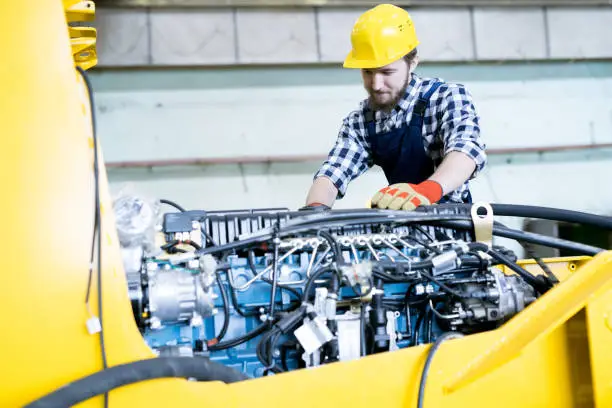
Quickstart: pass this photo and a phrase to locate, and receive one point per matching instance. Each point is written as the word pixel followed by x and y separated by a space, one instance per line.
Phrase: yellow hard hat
pixel 380 36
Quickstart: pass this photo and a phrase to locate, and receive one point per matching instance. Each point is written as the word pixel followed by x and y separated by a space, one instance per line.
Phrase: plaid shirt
pixel 450 124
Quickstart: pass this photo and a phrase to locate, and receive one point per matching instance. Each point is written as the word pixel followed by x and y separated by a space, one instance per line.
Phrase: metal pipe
pixel 309 158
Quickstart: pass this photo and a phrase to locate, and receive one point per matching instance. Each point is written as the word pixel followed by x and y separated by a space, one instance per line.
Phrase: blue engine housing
pixel 417 307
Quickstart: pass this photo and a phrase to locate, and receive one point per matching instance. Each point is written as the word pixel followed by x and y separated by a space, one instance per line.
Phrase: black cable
pixel 226 312
pixel 362 330
pixel 336 220
pixel 432 351
pixel 274 277
pixel 170 245
pixel 539 285
pixel 241 339
pixel 311 280
pixel 172 204
pixel 524 236
pixel 198 368
pixel 423 216
pixel 553 214
pixel 551 276
pixel 333 245
pixel 97 221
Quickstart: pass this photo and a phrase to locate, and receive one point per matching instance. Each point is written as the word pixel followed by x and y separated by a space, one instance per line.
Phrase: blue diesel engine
pixel 271 290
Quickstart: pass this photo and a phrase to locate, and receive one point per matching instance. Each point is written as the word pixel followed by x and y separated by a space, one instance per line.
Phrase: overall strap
pixel 416 122
pixel 370 123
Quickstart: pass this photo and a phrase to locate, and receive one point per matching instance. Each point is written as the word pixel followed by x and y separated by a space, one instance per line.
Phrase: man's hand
pixel 405 196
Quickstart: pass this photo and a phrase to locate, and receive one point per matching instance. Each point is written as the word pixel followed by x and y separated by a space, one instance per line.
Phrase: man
pixel 423 133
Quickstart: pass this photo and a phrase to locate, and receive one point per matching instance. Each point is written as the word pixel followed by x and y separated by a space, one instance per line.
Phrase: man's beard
pixel 388 106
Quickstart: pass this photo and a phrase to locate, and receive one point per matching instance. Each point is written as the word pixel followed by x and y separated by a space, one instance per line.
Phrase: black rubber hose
pixel 524 236
pixel 172 204
pixel 226 312
pixel 242 339
pixel 199 368
pixel 311 280
pixel 333 245
pixel 443 337
pixel 540 286
pixel 554 214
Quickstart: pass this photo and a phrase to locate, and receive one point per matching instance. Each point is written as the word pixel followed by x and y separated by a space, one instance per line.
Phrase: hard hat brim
pixel 351 62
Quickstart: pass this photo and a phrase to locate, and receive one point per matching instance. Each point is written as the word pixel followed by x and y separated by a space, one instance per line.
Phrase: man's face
pixel 386 85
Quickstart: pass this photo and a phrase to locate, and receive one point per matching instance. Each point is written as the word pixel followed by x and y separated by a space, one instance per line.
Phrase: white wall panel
pixel 304 120
pixel 335 26
pixel 311 34
pixel 276 35
pixel 580 32
pixel 237 122
pixel 194 37
pixel 517 33
pixel 123 36
pixel 444 34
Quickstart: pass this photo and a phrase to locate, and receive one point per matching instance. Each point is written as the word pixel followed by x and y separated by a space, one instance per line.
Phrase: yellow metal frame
pixel 557 353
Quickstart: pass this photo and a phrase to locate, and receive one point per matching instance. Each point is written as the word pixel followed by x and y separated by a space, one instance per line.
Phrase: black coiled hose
pixel 198 368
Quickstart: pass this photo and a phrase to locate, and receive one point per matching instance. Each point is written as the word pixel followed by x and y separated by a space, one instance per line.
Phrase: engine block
pixel 268 291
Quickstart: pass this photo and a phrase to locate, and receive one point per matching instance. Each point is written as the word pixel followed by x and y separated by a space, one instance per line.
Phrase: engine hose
pixel 199 368
pixel 239 340
pixel 540 285
pixel 172 204
pixel 311 280
pixel 333 245
pixel 525 236
pixel 553 214
pixel 226 312
pixel 443 337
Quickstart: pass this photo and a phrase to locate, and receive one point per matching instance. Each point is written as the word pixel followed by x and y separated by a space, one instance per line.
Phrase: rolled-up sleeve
pixel 460 128
pixel 349 157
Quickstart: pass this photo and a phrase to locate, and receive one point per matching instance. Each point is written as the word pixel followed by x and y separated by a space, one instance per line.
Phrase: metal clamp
pixel 482 217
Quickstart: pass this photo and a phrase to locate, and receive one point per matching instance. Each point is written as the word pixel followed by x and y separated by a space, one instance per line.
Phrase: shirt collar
pixel 412 92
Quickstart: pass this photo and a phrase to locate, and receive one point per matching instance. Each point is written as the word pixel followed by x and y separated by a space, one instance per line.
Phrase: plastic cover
pixel 136 218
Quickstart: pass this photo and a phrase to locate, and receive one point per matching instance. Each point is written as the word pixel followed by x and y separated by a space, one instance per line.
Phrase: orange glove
pixel 405 196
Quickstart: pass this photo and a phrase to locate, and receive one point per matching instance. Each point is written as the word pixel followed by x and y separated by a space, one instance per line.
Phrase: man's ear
pixel 414 63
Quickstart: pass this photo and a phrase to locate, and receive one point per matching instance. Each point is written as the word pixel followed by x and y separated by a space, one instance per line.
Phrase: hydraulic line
pixel 198 368
pixel 524 236
pixel 545 213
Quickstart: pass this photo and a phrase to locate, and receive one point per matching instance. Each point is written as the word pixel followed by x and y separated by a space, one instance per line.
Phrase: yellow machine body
pixel 556 353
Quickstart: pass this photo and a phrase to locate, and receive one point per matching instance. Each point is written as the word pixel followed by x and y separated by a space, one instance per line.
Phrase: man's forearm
pixel 454 170
pixel 322 191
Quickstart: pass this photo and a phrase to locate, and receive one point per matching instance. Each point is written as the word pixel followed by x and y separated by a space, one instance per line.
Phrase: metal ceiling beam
pixel 348 3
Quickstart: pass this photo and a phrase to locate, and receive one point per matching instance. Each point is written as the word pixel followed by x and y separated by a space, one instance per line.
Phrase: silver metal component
pixel 132 258
pixel 501 297
pixel 319 302
pixel 313 334
pixel 176 294
pixel 260 274
pixel 392 329
pixel 349 336
pixel 446 261
pixel 483 224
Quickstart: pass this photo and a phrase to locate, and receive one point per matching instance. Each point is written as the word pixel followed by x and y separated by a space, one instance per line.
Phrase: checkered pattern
pixel 450 124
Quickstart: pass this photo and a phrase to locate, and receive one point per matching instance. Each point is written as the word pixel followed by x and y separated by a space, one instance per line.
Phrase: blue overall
pixel 400 152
